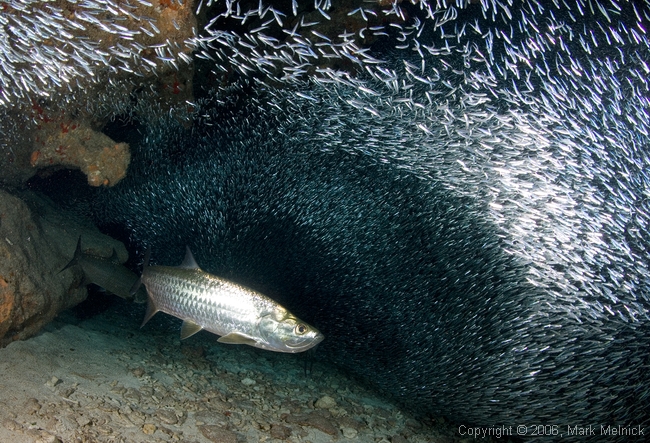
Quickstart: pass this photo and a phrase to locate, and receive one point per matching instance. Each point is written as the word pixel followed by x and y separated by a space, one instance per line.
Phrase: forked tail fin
pixel 75 258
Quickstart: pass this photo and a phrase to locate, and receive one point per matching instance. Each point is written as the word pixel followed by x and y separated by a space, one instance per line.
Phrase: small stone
pixel 83 420
pixel 138 372
pixel 148 428
pixel 146 391
pixel 167 416
pixel 398 439
pixel 280 432
pixel 46 437
pixel 104 430
pixel 349 432
pixel 325 402
pixel 248 382
pixel 132 395
pixel 31 406
pixel 217 434
pixel 315 420
pixel 413 424
pixel 348 422
pixel 68 391
pixel 193 352
pixel 212 393
pixel 118 389
pixel 11 425
pixel 211 418
pixel 137 418
pixel 52 382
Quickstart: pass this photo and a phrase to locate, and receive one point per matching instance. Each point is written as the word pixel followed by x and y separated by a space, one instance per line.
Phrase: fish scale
pixel 236 313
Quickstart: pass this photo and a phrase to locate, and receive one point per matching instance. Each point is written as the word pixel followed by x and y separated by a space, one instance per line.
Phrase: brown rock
pixel 149 428
pixel 7 302
pixel 31 406
pixel 75 144
pixel 217 434
pixel 325 402
pixel 280 432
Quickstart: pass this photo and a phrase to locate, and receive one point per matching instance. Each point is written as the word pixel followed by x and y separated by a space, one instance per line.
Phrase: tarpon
pixel 236 313
pixel 108 273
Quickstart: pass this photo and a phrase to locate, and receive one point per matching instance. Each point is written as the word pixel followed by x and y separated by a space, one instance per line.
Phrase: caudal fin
pixel 75 258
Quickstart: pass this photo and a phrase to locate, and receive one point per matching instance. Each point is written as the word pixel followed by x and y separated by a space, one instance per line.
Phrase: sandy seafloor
pixel 103 379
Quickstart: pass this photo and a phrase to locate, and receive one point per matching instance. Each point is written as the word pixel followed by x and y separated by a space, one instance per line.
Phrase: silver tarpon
pixel 236 313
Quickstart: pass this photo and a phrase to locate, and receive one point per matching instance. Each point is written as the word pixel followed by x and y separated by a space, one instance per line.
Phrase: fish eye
pixel 300 329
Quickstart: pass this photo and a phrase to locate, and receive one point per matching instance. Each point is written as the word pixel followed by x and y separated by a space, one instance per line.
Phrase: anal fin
pixel 189 328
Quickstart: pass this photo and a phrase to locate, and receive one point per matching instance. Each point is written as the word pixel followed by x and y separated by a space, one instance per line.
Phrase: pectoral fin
pixel 189 328
pixel 235 338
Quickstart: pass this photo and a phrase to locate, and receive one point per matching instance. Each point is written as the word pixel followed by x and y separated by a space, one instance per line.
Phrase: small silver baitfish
pixel 236 313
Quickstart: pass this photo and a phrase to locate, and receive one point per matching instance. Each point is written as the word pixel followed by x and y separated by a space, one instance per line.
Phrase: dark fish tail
pixel 75 258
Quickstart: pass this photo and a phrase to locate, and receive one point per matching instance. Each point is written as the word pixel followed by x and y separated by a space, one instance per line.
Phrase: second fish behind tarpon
pixel 236 313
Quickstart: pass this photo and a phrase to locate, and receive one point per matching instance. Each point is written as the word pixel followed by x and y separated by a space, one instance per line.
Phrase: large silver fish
pixel 236 313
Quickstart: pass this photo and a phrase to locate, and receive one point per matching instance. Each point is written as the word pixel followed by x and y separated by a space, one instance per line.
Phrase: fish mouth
pixel 305 344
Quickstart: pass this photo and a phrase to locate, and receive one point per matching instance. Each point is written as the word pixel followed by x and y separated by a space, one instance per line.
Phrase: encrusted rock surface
pixel 77 145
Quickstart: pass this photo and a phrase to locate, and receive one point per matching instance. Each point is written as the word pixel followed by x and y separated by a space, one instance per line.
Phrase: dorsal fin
pixel 189 262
